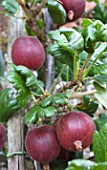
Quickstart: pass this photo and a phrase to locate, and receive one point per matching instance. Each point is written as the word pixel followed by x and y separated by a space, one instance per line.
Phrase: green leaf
pixel 96 1
pixel 24 82
pixel 67 31
pixel 97 54
pixel 1 64
pixel 56 99
pixel 46 102
pixel 68 37
pixel 102 98
pixel 101 79
pixel 59 98
pixel 23 93
pixel 86 22
pixel 75 39
pixel 29 31
pixel 100 69
pixel 99 51
pixel 99 87
pixel 8 104
pixel 87 105
pixel 80 164
pixel 94 32
pixel 100 166
pixel 50 111
pixel 101 120
pixel 56 11
pixel 100 144
pixel 100 13
pixel 65 56
pixel 10 6
pixel 31 115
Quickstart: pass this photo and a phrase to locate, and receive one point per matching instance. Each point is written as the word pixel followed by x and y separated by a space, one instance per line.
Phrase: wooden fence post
pixel 15 124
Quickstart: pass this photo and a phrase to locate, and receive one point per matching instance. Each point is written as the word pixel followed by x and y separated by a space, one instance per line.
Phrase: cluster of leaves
pixel 89 42
pixel 100 13
pixel 77 45
pixel 46 108
pixel 12 8
pixel 25 87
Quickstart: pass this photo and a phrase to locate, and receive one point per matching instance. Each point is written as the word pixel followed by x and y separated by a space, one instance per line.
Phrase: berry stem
pixel 46 166
pixel 75 66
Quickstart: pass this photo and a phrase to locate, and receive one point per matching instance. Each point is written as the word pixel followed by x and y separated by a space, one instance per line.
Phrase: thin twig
pixel 68 85
pixel 79 95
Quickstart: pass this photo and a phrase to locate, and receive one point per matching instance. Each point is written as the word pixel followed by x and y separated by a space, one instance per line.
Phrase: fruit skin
pixel 42 143
pixel 28 51
pixel 77 6
pixel 64 154
pixel 75 131
pixel 56 122
pixel 2 135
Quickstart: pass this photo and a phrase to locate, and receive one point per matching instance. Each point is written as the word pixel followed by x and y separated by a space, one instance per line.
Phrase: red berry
pixel 2 135
pixel 28 51
pixel 56 122
pixel 75 131
pixel 77 6
pixel 42 143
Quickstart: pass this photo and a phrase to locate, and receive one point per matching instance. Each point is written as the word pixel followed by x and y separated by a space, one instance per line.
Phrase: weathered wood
pixel 15 125
pixel 3 162
pixel 49 63
pixel 15 142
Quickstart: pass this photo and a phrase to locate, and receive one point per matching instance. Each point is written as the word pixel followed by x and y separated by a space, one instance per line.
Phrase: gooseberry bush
pixel 58 129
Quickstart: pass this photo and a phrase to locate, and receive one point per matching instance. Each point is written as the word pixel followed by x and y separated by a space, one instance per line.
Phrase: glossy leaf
pixel 24 82
pixel 59 98
pixel 50 111
pixel 100 13
pixel 87 105
pixel 8 104
pixel 56 9
pixel 101 69
pixel 80 164
pixel 46 102
pixel 93 32
pixel 100 144
pixel 102 98
pixel 65 56
pixel 97 54
pixel 31 115
pixel 101 79
pixel 101 120
pixel 56 99
pixel 61 49
pixel 10 6
pixel 100 166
